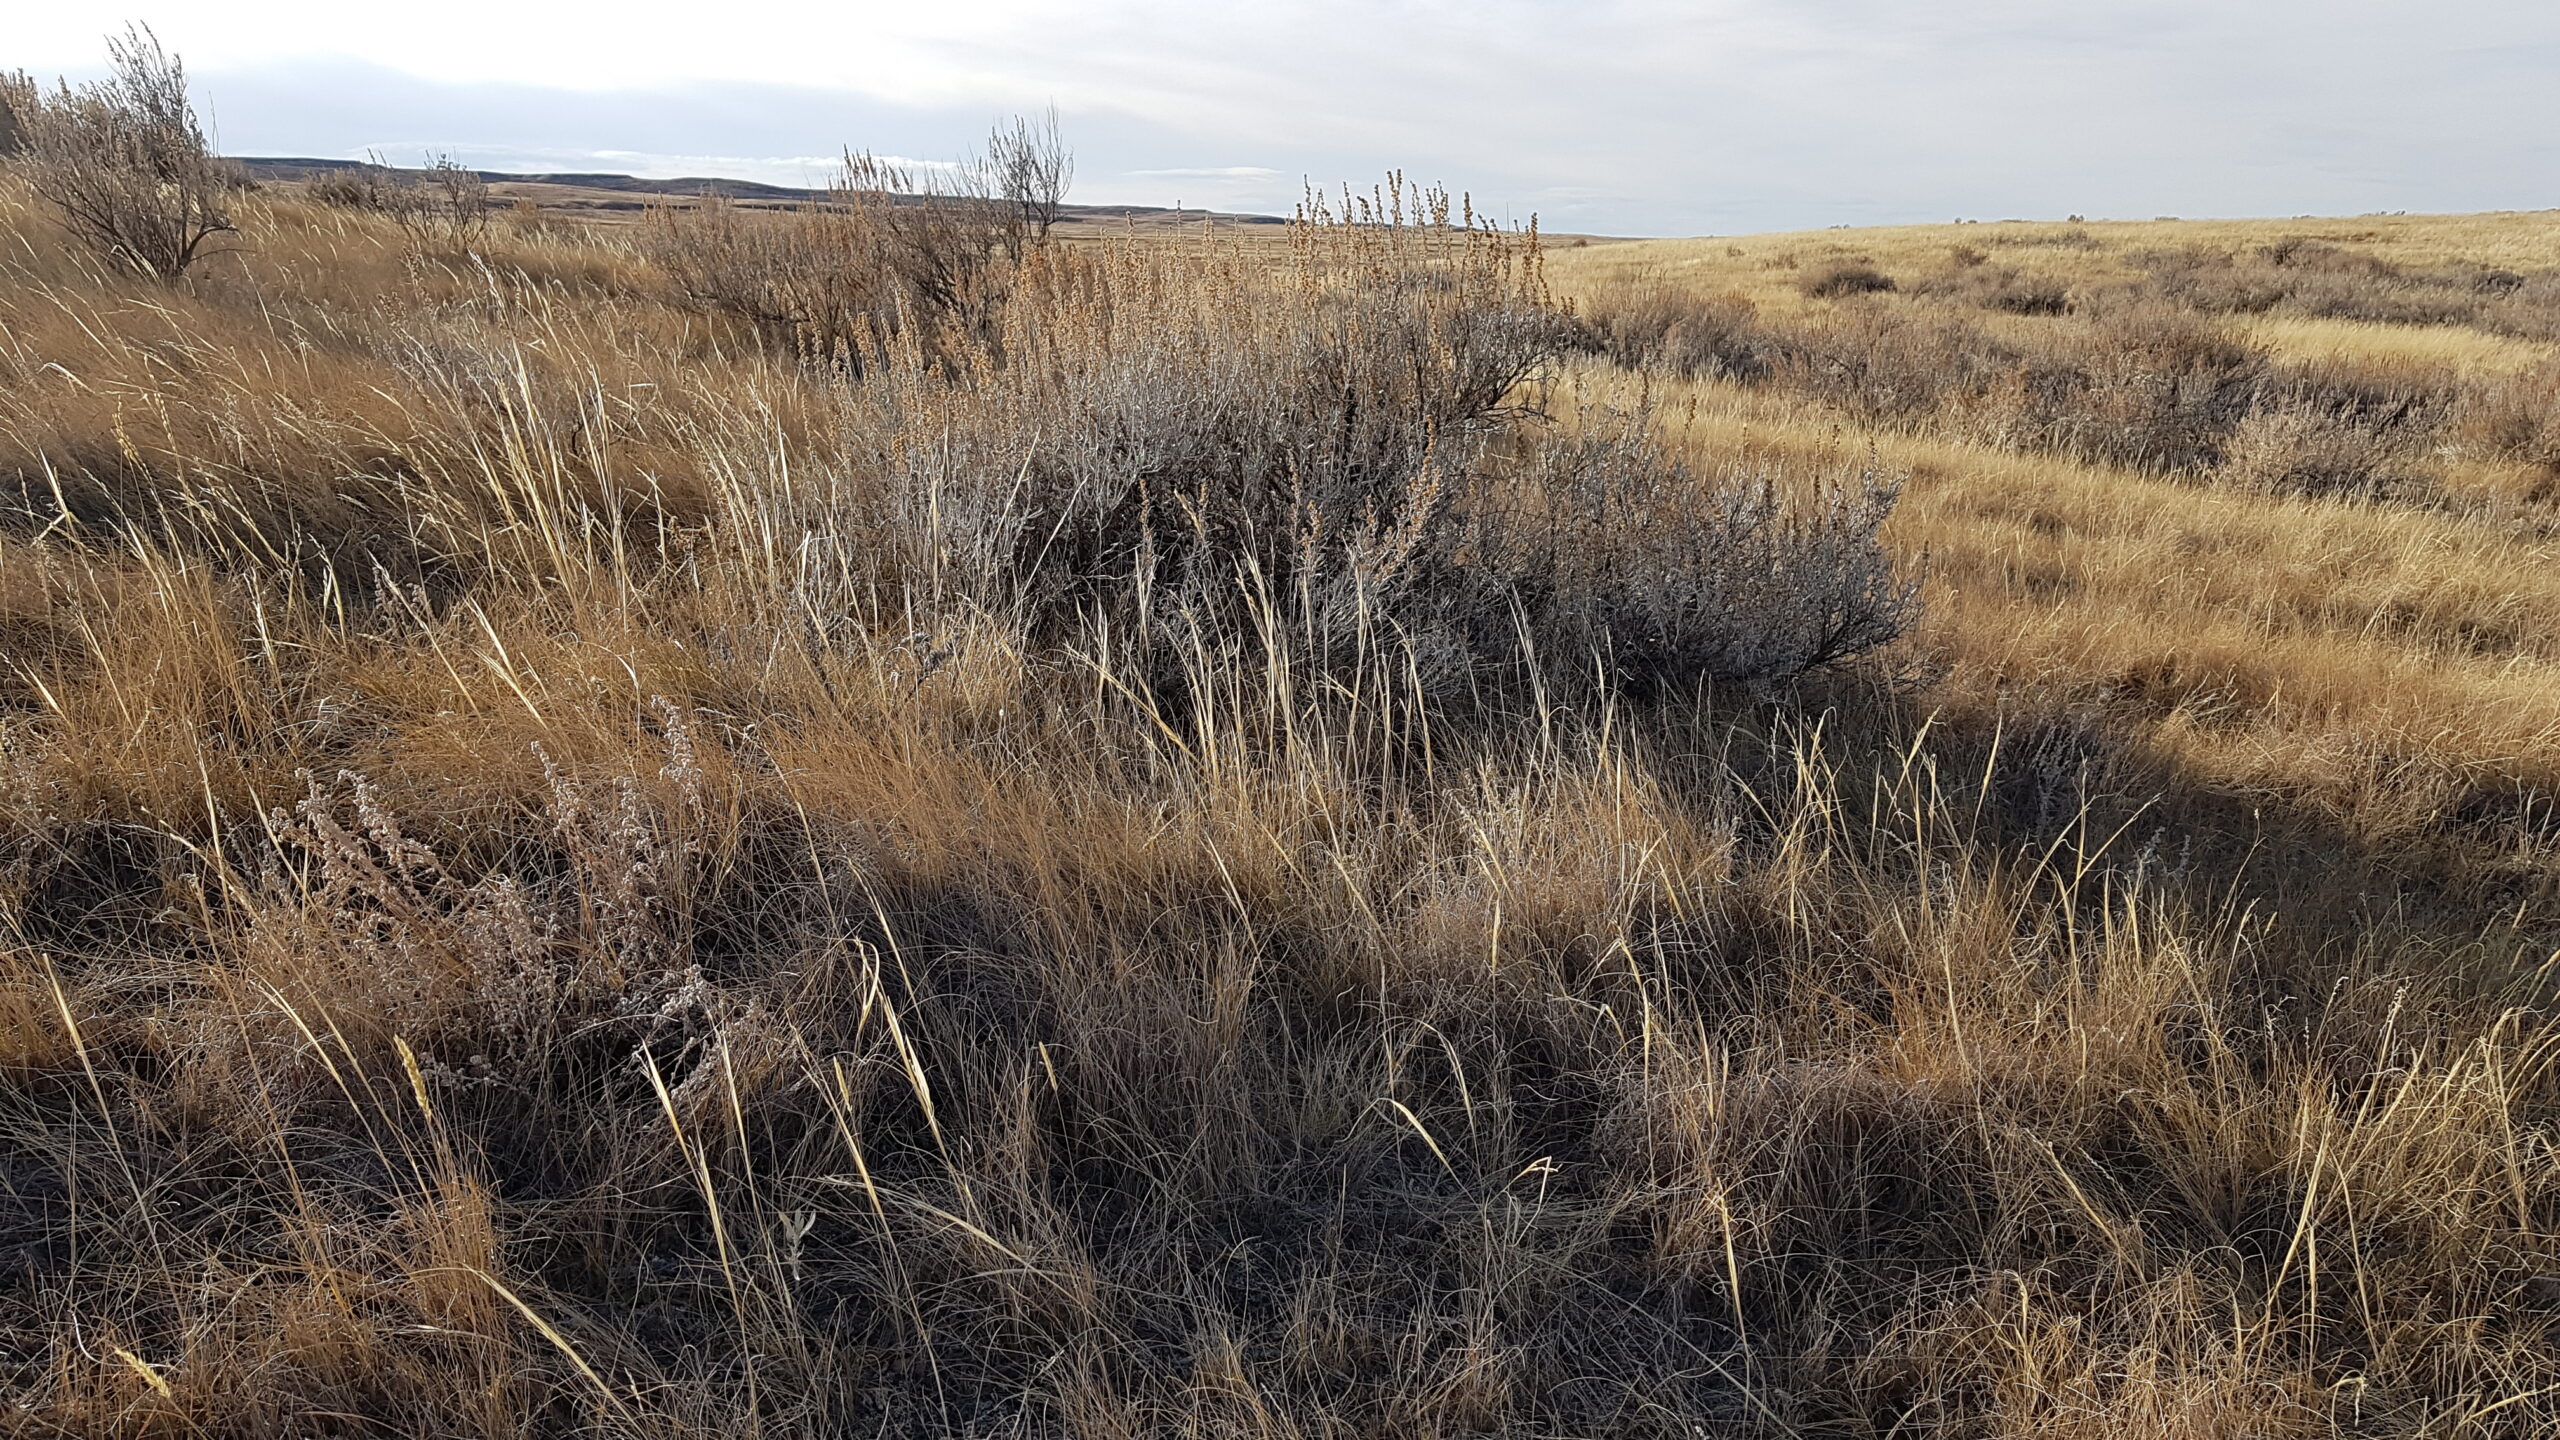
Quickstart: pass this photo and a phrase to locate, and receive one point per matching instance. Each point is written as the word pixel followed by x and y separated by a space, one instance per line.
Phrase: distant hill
pixel 582 191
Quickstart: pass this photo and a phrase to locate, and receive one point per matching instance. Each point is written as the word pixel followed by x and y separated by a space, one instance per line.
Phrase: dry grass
pixel 565 871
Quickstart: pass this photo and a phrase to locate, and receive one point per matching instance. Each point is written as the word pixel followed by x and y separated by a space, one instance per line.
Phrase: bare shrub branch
pixel 896 247
pixel 1029 167
pixel 445 205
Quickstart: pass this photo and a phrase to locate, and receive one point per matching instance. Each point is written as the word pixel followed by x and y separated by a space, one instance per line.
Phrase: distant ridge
pixel 302 167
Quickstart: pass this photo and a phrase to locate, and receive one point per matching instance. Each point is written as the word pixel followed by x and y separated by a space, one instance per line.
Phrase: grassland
pixel 542 892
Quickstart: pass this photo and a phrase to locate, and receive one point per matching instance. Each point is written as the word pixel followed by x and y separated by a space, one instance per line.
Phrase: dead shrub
pixel 445 205
pixel 126 163
pixel 1028 166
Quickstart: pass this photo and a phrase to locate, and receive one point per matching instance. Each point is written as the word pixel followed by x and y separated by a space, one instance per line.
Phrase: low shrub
pixel 808 283
pixel 353 188
pixel 1889 364
pixel 1844 277
pixel 2300 276
pixel 892 248
pixel 2296 446
pixel 1997 287
pixel 2142 384
pixel 2512 417
pixel 1649 319
pixel 1171 454
pixel 1670 576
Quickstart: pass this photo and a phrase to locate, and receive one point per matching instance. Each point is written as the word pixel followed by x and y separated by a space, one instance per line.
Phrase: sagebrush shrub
pixel 352 188
pixel 893 249
pixel 1970 279
pixel 1888 363
pixel 2513 417
pixel 2141 384
pixel 807 283
pixel 1844 277
pixel 1648 318
pixel 126 163
pixel 1615 551
pixel 1337 458
pixel 2297 446
pixel 2308 277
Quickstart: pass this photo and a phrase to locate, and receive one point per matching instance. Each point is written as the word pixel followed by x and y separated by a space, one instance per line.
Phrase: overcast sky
pixel 1610 116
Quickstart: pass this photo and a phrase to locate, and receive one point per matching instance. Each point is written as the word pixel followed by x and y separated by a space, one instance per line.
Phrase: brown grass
pixel 547 887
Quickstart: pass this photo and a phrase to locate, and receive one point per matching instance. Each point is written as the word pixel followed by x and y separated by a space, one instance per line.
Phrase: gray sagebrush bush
pixel 1618 553
pixel 125 161
pixel 1166 455
pixel 1650 318
pixel 894 248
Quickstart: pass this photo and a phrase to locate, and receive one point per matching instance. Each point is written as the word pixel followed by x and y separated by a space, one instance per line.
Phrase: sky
pixel 1634 117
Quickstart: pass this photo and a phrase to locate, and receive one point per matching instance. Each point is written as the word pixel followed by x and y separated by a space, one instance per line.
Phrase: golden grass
pixel 1762 264
pixel 2266 645
pixel 2459 349
pixel 610 973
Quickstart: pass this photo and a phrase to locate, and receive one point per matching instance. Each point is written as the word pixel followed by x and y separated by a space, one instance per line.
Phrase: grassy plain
pixel 516 919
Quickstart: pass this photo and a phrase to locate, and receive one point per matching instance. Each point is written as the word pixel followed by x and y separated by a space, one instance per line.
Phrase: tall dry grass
pixel 566 869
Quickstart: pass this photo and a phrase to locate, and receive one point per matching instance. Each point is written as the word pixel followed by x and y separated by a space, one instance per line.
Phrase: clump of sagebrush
pixel 2126 379
pixel 2140 384
pixel 2514 417
pixel 443 204
pixel 2298 447
pixel 353 187
pixel 1649 318
pixel 1662 575
pixel 1844 277
pixel 1970 278
pixel 893 247
pixel 1339 456
pixel 2301 276
pixel 807 284
pixel 125 161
